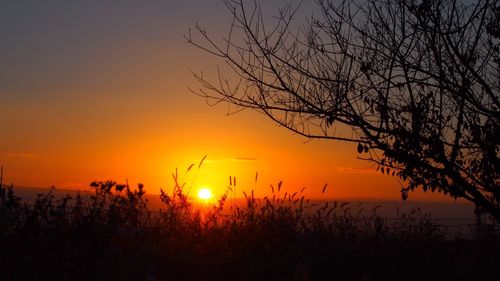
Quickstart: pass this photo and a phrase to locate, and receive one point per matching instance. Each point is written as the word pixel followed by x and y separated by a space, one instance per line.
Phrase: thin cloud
pixel 19 154
pixel 71 185
pixel 354 170
pixel 232 159
pixel 243 159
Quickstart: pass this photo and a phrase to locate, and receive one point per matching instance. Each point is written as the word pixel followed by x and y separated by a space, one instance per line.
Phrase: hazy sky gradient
pixel 95 90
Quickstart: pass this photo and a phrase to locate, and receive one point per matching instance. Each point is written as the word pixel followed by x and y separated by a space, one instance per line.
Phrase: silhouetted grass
pixel 112 235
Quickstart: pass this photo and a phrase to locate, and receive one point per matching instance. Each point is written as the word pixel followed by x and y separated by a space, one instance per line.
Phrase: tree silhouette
pixel 415 83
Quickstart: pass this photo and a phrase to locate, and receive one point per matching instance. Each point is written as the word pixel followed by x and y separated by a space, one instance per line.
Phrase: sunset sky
pixel 96 90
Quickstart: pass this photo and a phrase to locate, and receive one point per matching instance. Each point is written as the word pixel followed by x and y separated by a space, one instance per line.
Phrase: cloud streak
pixel 232 159
pixel 354 170
pixel 20 154
pixel 243 159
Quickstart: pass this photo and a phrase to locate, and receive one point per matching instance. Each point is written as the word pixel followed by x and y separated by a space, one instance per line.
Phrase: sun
pixel 204 194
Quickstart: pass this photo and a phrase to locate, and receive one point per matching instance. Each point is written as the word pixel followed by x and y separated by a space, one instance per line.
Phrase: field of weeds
pixel 112 235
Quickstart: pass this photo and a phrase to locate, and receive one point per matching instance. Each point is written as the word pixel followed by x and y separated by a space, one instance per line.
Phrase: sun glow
pixel 204 194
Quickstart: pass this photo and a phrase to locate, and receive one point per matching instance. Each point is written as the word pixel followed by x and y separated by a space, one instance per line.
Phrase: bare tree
pixel 416 83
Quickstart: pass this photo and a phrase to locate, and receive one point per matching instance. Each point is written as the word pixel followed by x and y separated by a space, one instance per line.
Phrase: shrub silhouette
pixel 111 234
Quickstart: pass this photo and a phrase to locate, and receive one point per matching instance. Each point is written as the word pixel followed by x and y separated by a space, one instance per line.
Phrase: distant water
pixel 387 209
pixel 437 210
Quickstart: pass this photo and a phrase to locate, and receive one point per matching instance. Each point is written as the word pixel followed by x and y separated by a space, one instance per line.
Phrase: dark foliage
pixel 416 83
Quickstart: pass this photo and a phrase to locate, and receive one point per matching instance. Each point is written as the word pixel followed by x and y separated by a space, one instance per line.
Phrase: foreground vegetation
pixel 112 235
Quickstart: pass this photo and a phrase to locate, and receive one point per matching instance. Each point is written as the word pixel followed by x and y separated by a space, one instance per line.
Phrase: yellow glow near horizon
pixel 204 194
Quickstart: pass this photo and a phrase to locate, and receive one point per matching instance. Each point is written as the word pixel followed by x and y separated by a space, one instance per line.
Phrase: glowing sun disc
pixel 204 194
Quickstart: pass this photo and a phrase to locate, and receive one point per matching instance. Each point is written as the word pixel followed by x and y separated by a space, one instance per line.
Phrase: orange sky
pixel 95 91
